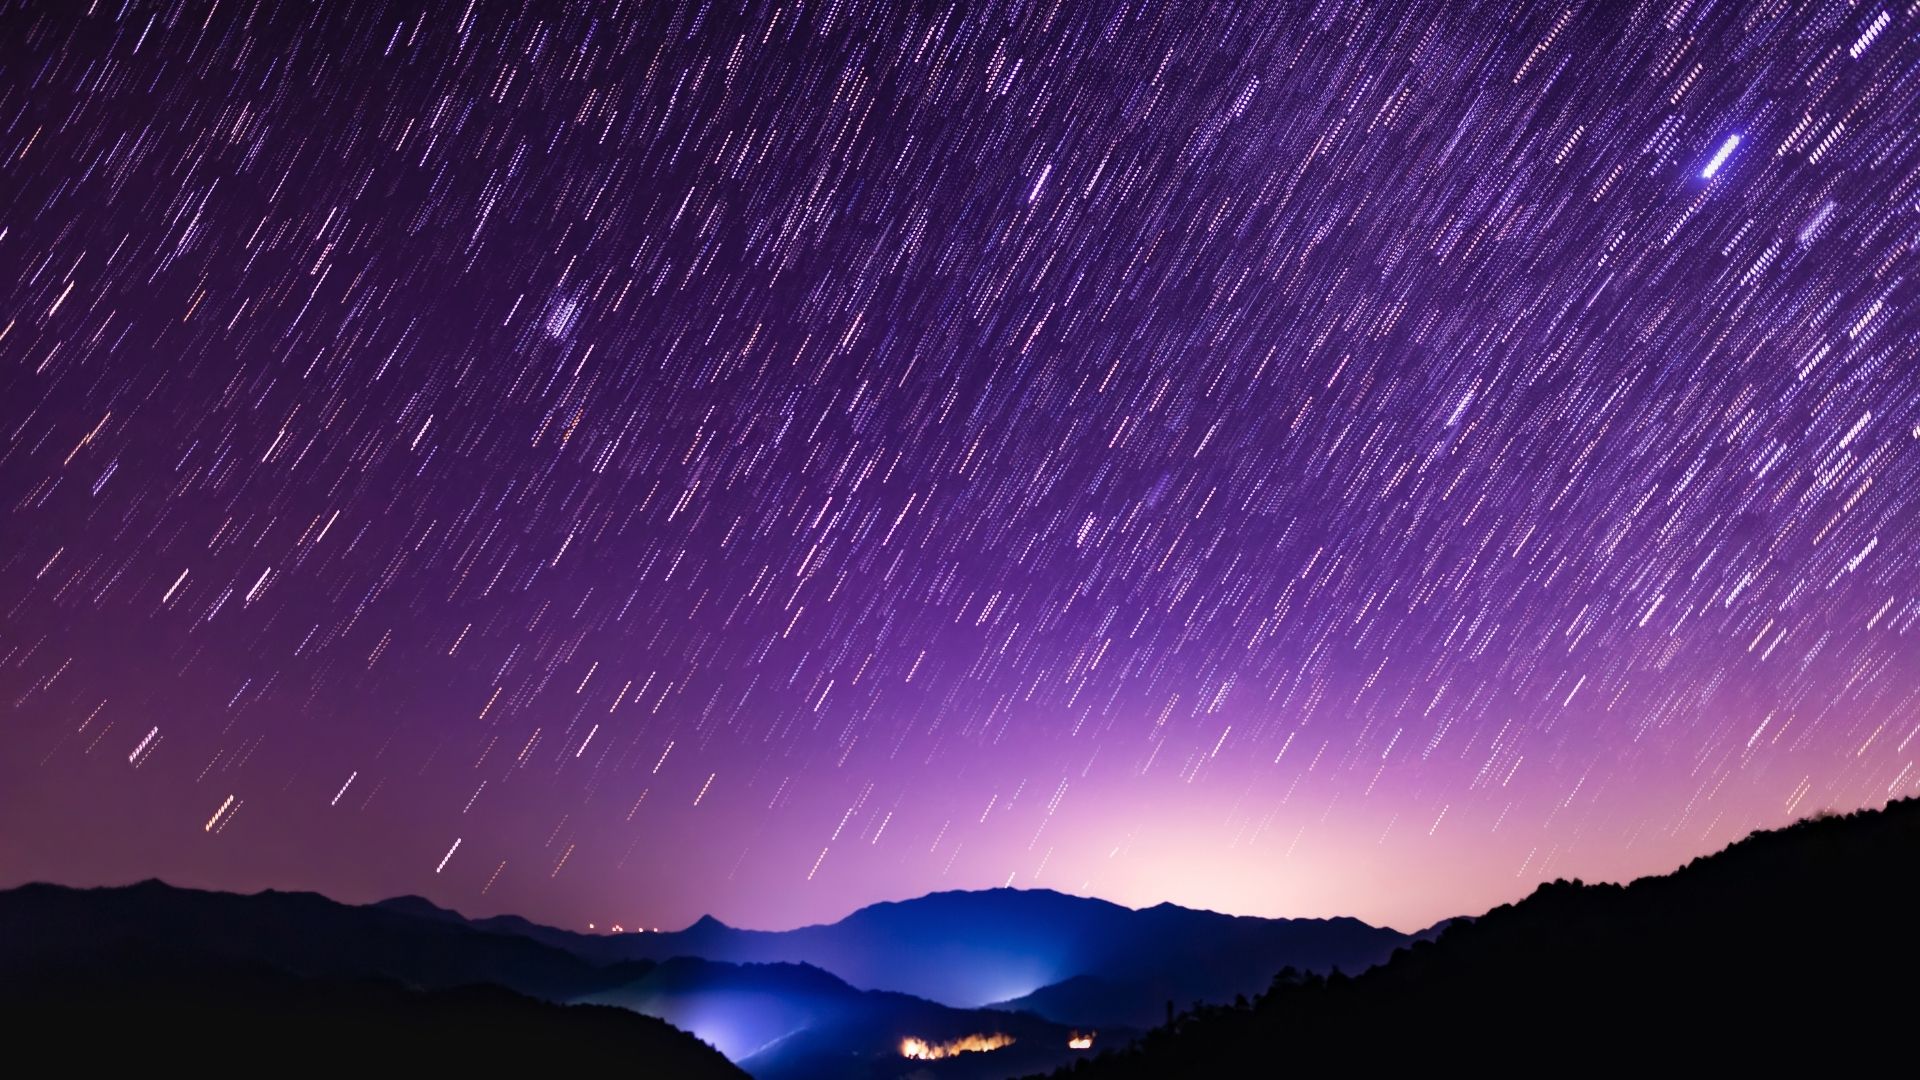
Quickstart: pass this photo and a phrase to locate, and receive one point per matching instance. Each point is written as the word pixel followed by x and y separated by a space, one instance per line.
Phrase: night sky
pixel 618 461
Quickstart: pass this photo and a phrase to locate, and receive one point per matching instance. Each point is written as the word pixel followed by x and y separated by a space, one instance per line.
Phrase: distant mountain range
pixel 833 1000
pixel 1792 945
pixel 302 934
pixel 234 980
pixel 1066 958
pixel 1791 949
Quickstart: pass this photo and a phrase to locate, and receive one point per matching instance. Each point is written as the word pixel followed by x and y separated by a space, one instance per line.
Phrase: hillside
pixel 794 1022
pixel 1789 944
pixel 140 1008
pixel 1008 946
pixel 302 934
pixel 185 974
pixel 157 975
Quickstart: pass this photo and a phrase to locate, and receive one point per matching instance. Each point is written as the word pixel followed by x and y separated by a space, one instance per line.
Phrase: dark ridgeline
pixel 1787 945
pixel 143 1013
pixel 304 934
pixel 1790 946
pixel 278 980
pixel 155 976
pixel 1071 959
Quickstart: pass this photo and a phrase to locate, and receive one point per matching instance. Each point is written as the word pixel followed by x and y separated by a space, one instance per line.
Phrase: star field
pixel 616 461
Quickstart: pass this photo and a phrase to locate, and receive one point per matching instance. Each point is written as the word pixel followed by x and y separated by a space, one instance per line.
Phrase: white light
pixel 1720 157
pixel 1866 38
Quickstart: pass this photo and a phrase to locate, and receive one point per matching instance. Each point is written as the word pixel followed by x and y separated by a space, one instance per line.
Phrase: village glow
pixel 922 1050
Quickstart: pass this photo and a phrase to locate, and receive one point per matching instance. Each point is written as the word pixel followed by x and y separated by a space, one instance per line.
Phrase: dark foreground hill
pixel 290 982
pixel 1791 946
pixel 155 1012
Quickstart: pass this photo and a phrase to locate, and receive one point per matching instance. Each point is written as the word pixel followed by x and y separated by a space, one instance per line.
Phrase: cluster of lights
pixel 922 1050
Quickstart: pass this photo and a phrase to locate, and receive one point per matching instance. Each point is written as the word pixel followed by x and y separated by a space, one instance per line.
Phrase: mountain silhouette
pixel 140 1009
pixel 1792 946
pixel 1188 957
pixel 304 935
pixel 150 975
pixel 969 949
pixel 185 974
pixel 1094 1001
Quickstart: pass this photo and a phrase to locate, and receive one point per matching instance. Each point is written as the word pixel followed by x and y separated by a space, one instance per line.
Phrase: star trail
pixel 618 461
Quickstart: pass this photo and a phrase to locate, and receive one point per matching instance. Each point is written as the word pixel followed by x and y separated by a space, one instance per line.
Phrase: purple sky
pixel 614 463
